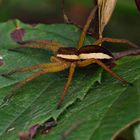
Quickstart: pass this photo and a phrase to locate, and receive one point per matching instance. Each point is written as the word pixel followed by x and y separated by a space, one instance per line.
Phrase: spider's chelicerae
pixel 68 58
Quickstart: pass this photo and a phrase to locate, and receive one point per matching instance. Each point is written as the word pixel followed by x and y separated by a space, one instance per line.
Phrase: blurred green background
pixel 125 22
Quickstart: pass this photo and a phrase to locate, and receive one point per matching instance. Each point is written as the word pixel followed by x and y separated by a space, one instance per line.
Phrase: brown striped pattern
pixel 73 54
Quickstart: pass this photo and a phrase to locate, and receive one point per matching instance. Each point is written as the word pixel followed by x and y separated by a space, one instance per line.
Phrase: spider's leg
pixel 28 69
pixel 45 44
pixel 85 63
pixel 71 72
pixel 54 59
pixel 20 84
pixel 86 27
pixel 54 68
pixel 115 40
pixel 110 71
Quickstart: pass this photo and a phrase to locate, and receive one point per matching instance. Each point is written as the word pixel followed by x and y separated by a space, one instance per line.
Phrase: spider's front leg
pixel 86 27
pixel 49 68
pixel 53 59
pixel 27 69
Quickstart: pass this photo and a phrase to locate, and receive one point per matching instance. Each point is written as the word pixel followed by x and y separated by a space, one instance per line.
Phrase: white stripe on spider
pixel 68 56
pixel 94 55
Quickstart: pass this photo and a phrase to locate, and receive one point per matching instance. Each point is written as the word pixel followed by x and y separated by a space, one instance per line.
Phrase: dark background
pixel 125 22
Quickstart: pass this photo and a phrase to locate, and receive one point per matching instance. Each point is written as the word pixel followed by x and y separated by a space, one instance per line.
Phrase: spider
pixel 68 58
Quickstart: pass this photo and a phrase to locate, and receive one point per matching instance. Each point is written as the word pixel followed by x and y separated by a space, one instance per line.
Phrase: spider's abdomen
pixel 96 52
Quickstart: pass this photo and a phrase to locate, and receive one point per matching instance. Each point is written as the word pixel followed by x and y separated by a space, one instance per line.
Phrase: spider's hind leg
pixel 115 40
pixel 104 66
pixel 100 63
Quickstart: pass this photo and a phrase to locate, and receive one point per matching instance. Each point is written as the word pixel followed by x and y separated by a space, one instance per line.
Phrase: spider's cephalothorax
pixel 68 54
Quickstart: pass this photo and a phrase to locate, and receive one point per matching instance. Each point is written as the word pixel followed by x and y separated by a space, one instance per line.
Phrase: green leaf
pixel 38 99
pixel 107 107
pixel 97 111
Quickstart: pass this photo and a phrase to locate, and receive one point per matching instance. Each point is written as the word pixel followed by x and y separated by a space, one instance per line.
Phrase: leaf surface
pixel 97 110
pixel 37 100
